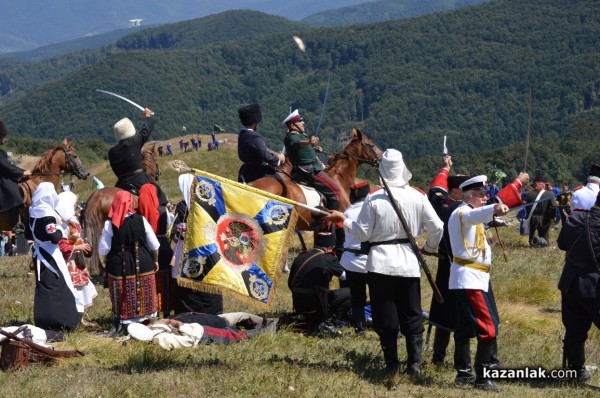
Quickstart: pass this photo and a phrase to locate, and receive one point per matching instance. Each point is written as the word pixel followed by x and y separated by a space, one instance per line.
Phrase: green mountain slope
pixel 464 74
pixel 384 10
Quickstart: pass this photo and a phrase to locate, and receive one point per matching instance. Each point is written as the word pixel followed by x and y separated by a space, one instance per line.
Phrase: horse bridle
pixel 73 162
pixel 373 160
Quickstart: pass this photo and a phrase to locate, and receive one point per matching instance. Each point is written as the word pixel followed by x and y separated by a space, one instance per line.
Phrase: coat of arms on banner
pixel 236 240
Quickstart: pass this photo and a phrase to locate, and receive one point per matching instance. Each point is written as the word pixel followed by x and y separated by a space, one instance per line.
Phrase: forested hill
pixel 384 10
pixel 465 74
pixel 18 77
pixel 228 25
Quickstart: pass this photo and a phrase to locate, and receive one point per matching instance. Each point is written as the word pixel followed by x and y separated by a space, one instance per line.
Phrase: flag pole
pixel 256 191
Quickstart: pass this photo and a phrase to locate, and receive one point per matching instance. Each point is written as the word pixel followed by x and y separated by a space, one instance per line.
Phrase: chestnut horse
pixel 342 168
pixel 98 205
pixel 49 168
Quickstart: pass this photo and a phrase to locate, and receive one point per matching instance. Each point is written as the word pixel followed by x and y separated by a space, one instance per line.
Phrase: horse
pixel 49 168
pixel 99 202
pixel 342 168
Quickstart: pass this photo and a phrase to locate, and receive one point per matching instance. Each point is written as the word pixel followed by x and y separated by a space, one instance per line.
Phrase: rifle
pixel 50 352
pixel 413 243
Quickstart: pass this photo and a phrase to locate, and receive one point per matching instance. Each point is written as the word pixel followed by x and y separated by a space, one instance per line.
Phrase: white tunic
pixel 351 261
pixel 462 277
pixel 378 222
pixel 585 198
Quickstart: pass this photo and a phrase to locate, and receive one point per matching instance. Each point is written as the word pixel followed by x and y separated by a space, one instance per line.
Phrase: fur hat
pixel 455 181
pixel 250 114
pixel 124 129
pixel 324 239
pixel 3 130
pixel 359 191
pixel 539 178
pixel 594 170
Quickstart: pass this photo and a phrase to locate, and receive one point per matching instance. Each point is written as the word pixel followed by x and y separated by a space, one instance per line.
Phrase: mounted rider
pixel 252 149
pixel 10 176
pixel 307 168
pixel 126 156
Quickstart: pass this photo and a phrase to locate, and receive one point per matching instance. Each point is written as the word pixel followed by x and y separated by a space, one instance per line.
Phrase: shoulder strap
pixel 535 204
pixel 588 235
pixel 302 266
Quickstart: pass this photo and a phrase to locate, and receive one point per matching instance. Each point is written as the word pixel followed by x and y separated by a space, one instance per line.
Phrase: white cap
pixel 124 129
pixel 475 182
pixel 292 117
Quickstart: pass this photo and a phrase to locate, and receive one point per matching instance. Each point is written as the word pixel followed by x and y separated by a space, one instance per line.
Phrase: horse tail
pixel 92 223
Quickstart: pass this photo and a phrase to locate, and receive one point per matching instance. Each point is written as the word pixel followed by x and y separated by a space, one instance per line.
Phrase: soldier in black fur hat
pixel 10 175
pixel 252 149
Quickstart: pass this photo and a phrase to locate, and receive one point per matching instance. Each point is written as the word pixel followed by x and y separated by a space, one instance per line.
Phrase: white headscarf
pixel 66 205
pixel 185 185
pixel 393 169
pixel 44 201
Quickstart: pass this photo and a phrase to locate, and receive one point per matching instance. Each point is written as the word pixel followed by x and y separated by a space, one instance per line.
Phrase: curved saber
pixel 141 108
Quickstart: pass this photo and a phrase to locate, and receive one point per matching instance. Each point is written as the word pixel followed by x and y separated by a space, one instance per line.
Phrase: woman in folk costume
pixel 131 249
pixel 148 207
pixel 188 300
pixel 73 248
pixel 55 307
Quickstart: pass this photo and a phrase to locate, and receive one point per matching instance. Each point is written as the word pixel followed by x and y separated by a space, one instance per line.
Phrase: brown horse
pixel 342 168
pixel 98 205
pixel 49 168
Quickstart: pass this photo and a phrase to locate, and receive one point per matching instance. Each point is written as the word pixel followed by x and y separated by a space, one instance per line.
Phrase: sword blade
pixel 445 152
pixel 141 108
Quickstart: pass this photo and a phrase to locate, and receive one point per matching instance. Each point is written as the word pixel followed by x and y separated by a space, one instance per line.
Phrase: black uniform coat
pixel 579 283
pixel 126 158
pixel 308 281
pixel 258 161
pixel 10 175
pixel 443 315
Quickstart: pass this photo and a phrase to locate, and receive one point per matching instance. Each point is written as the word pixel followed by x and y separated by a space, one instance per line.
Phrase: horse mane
pixel 44 163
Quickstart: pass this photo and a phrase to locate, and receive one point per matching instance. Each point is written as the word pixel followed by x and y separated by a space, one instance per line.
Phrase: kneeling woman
pixel 131 250
pixel 55 307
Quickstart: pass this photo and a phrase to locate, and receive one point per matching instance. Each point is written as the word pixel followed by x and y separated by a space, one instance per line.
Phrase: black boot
pixel 462 362
pixel 358 319
pixel 118 329
pixel 576 361
pixel 440 344
pixel 389 346
pixel 495 361
pixel 482 361
pixel 414 345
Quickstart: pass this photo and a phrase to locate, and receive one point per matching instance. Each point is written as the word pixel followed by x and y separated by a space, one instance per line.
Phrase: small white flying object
pixel 299 43
pixel 135 22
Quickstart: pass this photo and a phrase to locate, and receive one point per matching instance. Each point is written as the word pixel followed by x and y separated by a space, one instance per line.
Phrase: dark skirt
pixel 53 304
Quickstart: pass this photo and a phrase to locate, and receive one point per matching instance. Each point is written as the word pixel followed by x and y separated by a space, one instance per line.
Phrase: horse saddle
pixel 313 197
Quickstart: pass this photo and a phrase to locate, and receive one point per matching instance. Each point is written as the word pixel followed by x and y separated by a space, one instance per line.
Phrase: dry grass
pixel 288 364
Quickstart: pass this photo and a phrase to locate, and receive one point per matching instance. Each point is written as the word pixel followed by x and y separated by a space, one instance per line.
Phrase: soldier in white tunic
pixel 392 265
pixel 477 315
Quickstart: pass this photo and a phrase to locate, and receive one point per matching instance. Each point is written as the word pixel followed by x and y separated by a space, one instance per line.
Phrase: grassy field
pixel 290 364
